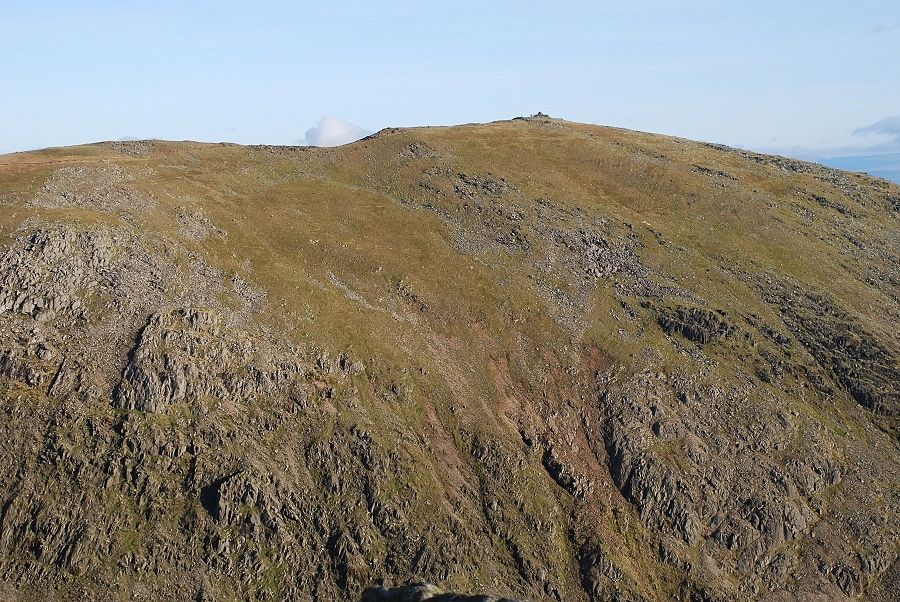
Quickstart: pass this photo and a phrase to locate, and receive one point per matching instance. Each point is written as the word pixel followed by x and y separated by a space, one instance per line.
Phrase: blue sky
pixel 798 77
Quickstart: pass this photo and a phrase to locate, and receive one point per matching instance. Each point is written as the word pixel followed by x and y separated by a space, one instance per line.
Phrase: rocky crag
pixel 533 358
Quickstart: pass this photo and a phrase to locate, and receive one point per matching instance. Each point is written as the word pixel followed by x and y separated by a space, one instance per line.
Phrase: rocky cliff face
pixel 532 358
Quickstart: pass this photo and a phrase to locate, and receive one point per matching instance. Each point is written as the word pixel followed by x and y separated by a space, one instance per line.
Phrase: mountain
pixel 531 358
pixel 885 165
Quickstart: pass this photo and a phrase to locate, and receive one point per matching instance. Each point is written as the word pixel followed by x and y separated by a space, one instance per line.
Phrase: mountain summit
pixel 532 358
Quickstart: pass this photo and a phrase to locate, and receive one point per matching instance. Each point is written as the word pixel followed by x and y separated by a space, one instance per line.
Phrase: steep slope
pixel 530 358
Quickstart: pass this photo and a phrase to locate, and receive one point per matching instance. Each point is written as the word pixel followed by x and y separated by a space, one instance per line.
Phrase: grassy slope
pixel 325 233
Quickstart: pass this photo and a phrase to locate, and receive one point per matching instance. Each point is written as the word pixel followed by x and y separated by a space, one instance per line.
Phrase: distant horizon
pixel 885 166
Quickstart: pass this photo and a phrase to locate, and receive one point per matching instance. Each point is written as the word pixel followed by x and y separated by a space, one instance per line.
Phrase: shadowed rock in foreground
pixel 418 593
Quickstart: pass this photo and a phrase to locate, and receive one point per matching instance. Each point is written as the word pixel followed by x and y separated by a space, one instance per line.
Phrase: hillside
pixel 530 358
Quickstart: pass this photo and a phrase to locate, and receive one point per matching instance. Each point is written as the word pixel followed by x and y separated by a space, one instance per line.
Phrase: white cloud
pixel 889 126
pixel 882 29
pixel 331 131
